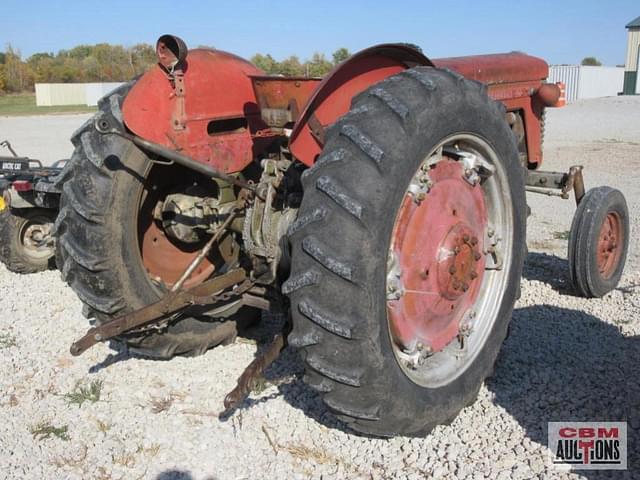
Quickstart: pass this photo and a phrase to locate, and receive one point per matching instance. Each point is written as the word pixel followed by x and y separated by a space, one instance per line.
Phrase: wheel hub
pixel 458 265
pixel 609 244
pixel 437 246
pixel 35 238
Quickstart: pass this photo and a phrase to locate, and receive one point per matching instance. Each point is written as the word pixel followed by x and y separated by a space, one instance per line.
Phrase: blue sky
pixel 561 31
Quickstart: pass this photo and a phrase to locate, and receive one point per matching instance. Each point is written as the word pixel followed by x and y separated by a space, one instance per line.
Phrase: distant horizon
pixel 559 33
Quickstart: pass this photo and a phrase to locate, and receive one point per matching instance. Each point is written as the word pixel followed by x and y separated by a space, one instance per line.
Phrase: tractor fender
pixel 212 116
pixel 332 97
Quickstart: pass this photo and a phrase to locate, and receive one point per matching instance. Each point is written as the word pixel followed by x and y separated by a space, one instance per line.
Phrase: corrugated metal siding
pixel 633 43
pixel 48 94
pixel 570 76
pixel 587 82
pixel 95 91
pixel 596 82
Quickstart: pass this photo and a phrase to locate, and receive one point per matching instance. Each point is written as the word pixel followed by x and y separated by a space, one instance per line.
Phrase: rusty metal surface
pixel 252 373
pixel 158 311
pixel 557 183
pixel 202 255
pixel 277 92
pixel 438 245
pixel 216 86
pixel 542 179
pixel 549 94
pixel 576 182
pixel 332 97
pixel 610 244
pixel 497 68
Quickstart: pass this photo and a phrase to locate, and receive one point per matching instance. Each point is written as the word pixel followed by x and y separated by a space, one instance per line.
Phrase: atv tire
pixel 15 252
pixel 98 246
pixel 337 286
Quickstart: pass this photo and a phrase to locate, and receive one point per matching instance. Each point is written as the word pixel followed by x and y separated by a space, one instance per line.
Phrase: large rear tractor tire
pixel 407 253
pixel 23 245
pixel 109 249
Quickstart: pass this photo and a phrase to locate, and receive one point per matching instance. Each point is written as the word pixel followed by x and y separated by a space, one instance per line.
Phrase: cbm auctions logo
pixel 589 445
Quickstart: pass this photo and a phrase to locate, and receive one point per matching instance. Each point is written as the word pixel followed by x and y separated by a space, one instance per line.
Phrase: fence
pixel 588 82
pixel 48 94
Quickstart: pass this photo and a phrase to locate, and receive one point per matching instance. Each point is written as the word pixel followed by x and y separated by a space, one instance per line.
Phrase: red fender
pixel 332 97
pixel 215 120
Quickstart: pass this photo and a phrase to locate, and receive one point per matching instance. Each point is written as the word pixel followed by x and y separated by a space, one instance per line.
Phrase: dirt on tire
pixel 343 231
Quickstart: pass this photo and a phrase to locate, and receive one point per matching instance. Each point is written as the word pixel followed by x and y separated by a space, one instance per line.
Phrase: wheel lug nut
pixel 465 287
pixel 474 241
pixel 473 275
pixel 456 285
pixel 465 238
pixel 477 256
pixel 452 269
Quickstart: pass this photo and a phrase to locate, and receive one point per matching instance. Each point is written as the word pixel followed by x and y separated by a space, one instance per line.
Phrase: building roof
pixel 633 23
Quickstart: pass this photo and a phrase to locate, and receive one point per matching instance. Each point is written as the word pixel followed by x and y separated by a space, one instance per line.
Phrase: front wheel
pixel 408 252
pixel 598 242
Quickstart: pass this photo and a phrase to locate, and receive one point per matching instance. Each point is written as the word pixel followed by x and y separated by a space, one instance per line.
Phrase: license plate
pixel 13 166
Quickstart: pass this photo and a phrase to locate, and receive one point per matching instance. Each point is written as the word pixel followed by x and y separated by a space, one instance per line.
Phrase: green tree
pixel 18 76
pixel 591 61
pixel 340 55
pixel 291 67
pixel 2 78
pixel 318 66
pixel 266 63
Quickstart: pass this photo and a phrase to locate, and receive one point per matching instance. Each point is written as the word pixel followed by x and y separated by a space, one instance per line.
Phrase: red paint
pixel 514 79
pixel 424 240
pixel 278 92
pixel 217 86
pixel 498 68
pixel 610 242
pixel 333 96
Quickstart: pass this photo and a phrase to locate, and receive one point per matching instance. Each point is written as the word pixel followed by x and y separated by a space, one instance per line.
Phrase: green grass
pixel 85 393
pixel 45 430
pixel 25 104
pixel 564 235
pixel 7 340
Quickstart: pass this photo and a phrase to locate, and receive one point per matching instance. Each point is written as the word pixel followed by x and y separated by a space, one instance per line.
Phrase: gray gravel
pixel 566 359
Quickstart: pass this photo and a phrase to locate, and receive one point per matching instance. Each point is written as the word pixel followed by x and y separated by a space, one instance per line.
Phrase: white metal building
pixel 48 94
pixel 583 82
pixel 632 63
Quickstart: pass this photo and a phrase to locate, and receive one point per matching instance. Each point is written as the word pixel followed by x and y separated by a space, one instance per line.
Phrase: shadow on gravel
pixel 566 365
pixel 550 269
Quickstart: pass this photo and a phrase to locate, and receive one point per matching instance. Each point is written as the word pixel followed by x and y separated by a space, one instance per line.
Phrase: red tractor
pixel 382 206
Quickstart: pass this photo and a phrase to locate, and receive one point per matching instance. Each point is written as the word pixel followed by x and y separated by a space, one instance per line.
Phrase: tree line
pixel 115 63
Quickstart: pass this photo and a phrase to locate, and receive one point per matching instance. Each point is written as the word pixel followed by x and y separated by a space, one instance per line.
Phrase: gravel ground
pixel 44 137
pixel 566 359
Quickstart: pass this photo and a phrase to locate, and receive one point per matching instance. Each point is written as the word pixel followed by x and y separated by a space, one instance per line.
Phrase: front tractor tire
pixel 407 253
pixel 107 239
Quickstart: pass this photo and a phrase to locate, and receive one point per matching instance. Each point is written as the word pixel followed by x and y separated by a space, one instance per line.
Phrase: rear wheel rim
pixel 610 241
pixel 165 259
pixel 444 285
